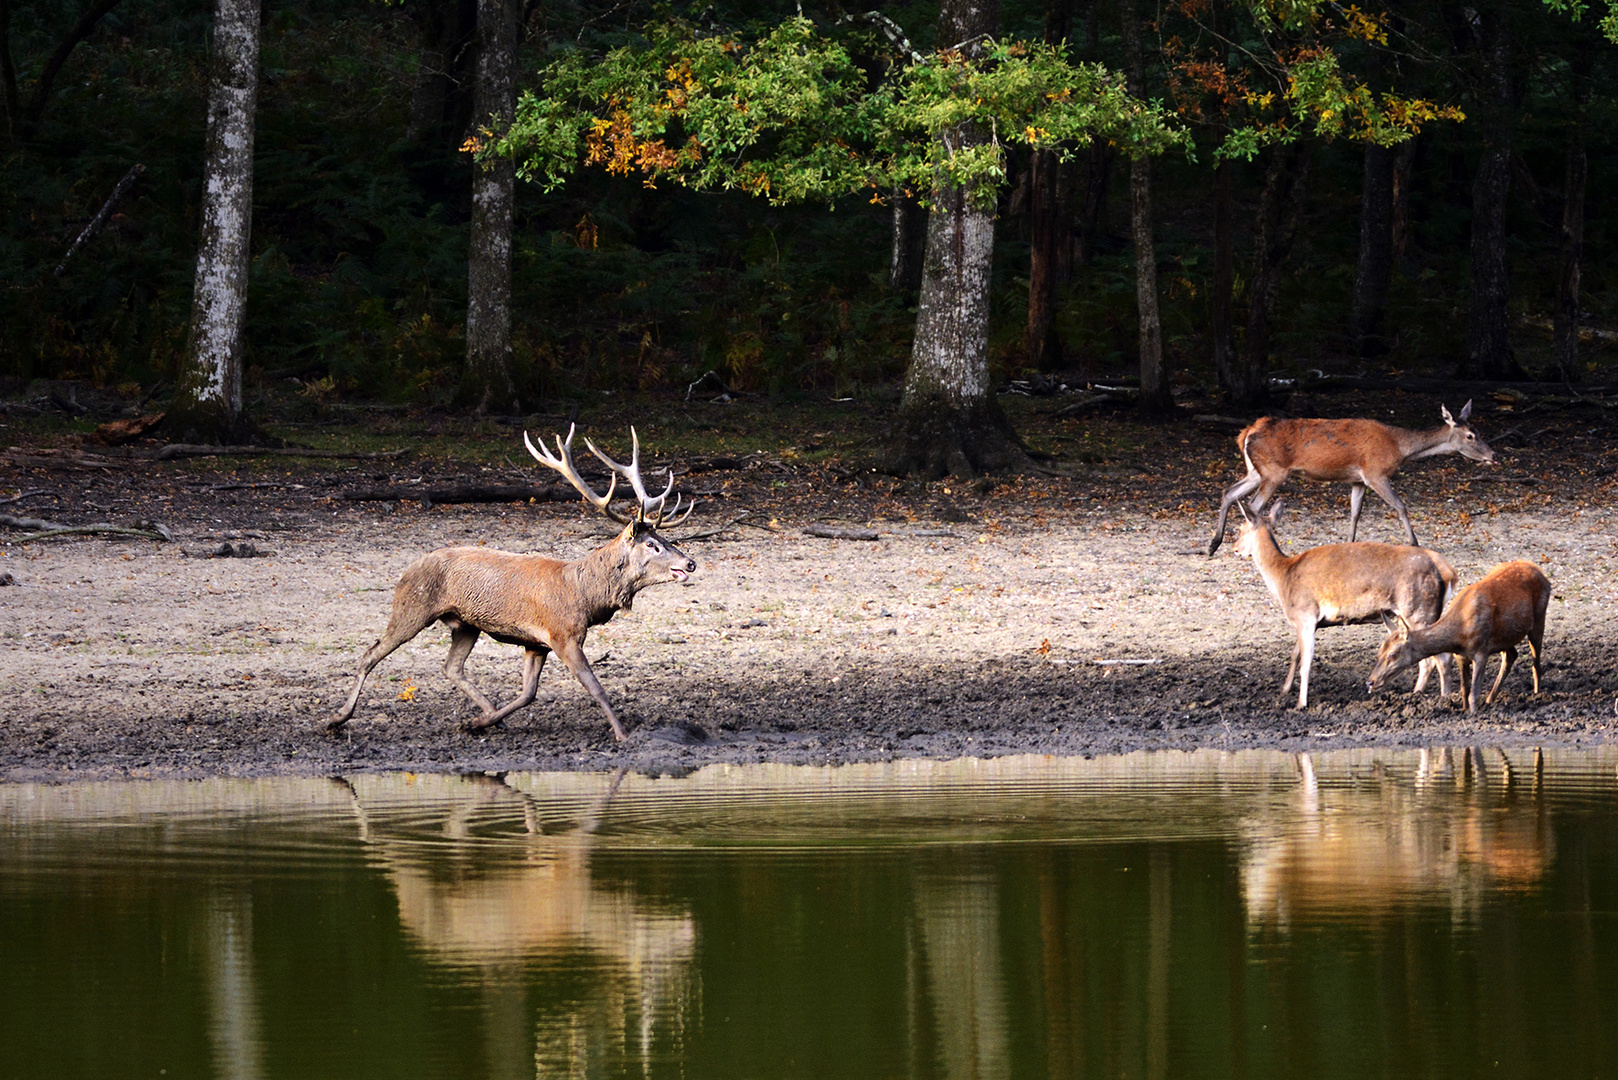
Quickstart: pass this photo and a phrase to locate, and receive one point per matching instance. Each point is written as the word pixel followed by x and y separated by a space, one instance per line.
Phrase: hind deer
pixel 545 605
pixel 1489 616
pixel 1363 452
pixel 1339 584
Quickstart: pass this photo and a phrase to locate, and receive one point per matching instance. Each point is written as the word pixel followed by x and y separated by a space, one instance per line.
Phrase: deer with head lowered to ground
pixel 1363 452
pixel 545 605
pixel 1489 616
pixel 1339 584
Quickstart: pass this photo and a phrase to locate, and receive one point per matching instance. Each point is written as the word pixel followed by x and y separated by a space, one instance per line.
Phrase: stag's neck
pixel 1419 444
pixel 603 590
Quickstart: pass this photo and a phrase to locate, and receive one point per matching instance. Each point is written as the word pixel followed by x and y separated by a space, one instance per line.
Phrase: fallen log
pixel 838 532
pixel 465 493
pixel 180 450
pixel 46 530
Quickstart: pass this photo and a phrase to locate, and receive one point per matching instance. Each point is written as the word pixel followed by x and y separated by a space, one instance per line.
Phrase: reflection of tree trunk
pixel 234 1024
pixel 1277 226
pixel 1488 339
pixel 1154 384
pixel 948 419
pixel 507 1027
pixel 208 400
pixel 486 384
pixel 1224 280
pixel 1374 272
pixel 1064 980
pixel 960 930
pixel 1160 919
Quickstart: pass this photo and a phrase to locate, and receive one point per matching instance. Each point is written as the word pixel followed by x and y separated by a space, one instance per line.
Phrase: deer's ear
pixel 1448 419
pixel 1404 627
pixel 1466 411
pixel 1275 512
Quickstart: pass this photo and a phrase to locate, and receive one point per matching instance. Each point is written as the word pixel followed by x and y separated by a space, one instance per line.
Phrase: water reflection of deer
pixel 1456 831
pixel 474 900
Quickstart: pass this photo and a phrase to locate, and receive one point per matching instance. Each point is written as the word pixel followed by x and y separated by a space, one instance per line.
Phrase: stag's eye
pixel 654 547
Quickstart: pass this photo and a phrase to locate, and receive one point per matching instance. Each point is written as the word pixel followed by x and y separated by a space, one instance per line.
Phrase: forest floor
pixel 1072 615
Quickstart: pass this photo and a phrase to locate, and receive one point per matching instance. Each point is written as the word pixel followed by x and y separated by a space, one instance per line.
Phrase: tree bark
pixel 1488 339
pixel 1221 325
pixel 207 403
pixel 486 384
pixel 8 71
pixel 949 421
pixel 1279 206
pixel 35 109
pixel 440 105
pixel 909 239
pixel 1374 272
pixel 1048 229
pixel 1404 161
pixel 1565 346
pixel 1155 396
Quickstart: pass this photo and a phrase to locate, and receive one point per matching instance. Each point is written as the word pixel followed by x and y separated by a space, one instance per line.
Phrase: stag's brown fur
pixel 1489 616
pixel 1363 453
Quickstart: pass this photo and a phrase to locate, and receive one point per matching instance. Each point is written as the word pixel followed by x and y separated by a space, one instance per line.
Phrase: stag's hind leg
pixel 1236 491
pixel 462 638
pixel 1507 658
pixel 533 662
pixel 402 626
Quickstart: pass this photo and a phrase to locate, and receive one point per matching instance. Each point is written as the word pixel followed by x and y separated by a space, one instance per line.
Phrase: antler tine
pixel 679 518
pixel 563 463
pixel 650 508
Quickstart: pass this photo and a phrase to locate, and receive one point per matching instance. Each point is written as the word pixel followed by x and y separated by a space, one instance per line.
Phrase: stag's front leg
pixel 572 654
pixel 533 662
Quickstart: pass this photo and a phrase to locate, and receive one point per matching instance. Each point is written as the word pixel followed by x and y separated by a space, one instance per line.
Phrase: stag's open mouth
pixel 678 575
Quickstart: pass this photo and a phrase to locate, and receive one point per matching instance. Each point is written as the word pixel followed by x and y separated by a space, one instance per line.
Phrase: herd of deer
pixel 547 605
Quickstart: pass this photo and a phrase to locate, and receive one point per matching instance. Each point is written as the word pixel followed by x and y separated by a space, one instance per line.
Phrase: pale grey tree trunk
pixel 486 384
pixel 208 400
pixel 949 420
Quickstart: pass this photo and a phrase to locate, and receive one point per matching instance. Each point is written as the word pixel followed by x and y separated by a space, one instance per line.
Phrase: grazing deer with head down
pixel 1362 452
pixel 1339 584
pixel 1489 616
pixel 544 605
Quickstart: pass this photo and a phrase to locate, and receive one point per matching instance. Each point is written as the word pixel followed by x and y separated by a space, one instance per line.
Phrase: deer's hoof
pixel 331 725
pixel 478 726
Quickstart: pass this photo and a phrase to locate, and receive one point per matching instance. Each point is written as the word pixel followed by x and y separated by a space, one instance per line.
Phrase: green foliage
pixel 789 115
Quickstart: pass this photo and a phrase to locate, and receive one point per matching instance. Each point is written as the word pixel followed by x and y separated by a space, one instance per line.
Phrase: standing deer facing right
pixel 1489 616
pixel 544 605
pixel 1363 452
pixel 1338 584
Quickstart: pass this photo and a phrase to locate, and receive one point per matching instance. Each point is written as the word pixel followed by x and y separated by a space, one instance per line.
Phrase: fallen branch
pixel 466 493
pixel 1127 663
pixel 837 532
pixel 56 459
pixel 101 217
pixel 46 530
pixel 180 450
pixel 21 495
pixel 731 524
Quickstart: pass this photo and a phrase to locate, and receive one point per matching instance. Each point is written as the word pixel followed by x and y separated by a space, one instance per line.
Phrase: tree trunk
pixel 207 403
pixel 949 421
pixel 1047 227
pixel 1374 272
pixel 1154 384
pixel 1571 255
pixel 440 104
pixel 8 72
pixel 1098 178
pixel 1488 338
pixel 1404 161
pixel 1221 325
pixel 486 384
pixel 1277 227
pixel 909 239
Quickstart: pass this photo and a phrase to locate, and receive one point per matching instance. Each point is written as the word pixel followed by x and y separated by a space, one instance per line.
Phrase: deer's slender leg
pixel 1236 491
pixel 462 636
pixel 402 626
pixel 1507 658
pixel 572 654
pixel 1307 644
pixel 1536 641
pixel 533 662
pixel 1380 485
pixel 1356 496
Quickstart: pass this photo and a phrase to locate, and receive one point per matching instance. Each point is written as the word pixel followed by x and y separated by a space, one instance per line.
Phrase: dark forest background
pixel 362 201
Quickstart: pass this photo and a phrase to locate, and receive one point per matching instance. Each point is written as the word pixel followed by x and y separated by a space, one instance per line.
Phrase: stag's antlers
pixel 650 509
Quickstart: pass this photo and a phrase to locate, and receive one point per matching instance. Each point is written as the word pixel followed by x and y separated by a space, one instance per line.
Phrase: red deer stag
pixel 1339 584
pixel 1488 616
pixel 1363 452
pixel 544 605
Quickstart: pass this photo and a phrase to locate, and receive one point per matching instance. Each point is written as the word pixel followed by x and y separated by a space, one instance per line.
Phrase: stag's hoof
pixel 331 725
pixel 479 726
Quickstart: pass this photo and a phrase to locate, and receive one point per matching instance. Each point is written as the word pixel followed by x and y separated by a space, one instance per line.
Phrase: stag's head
pixel 643 556
pixel 1463 438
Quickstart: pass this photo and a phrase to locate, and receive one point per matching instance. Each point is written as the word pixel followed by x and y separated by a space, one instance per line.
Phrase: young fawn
pixel 1338 584
pixel 1362 452
pixel 1489 616
pixel 545 605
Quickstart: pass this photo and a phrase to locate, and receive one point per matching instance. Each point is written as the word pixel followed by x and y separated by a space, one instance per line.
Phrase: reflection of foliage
pixel 1278 74
pixel 789 116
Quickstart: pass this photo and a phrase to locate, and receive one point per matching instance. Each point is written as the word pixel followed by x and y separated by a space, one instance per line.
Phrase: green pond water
pixel 1441 913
